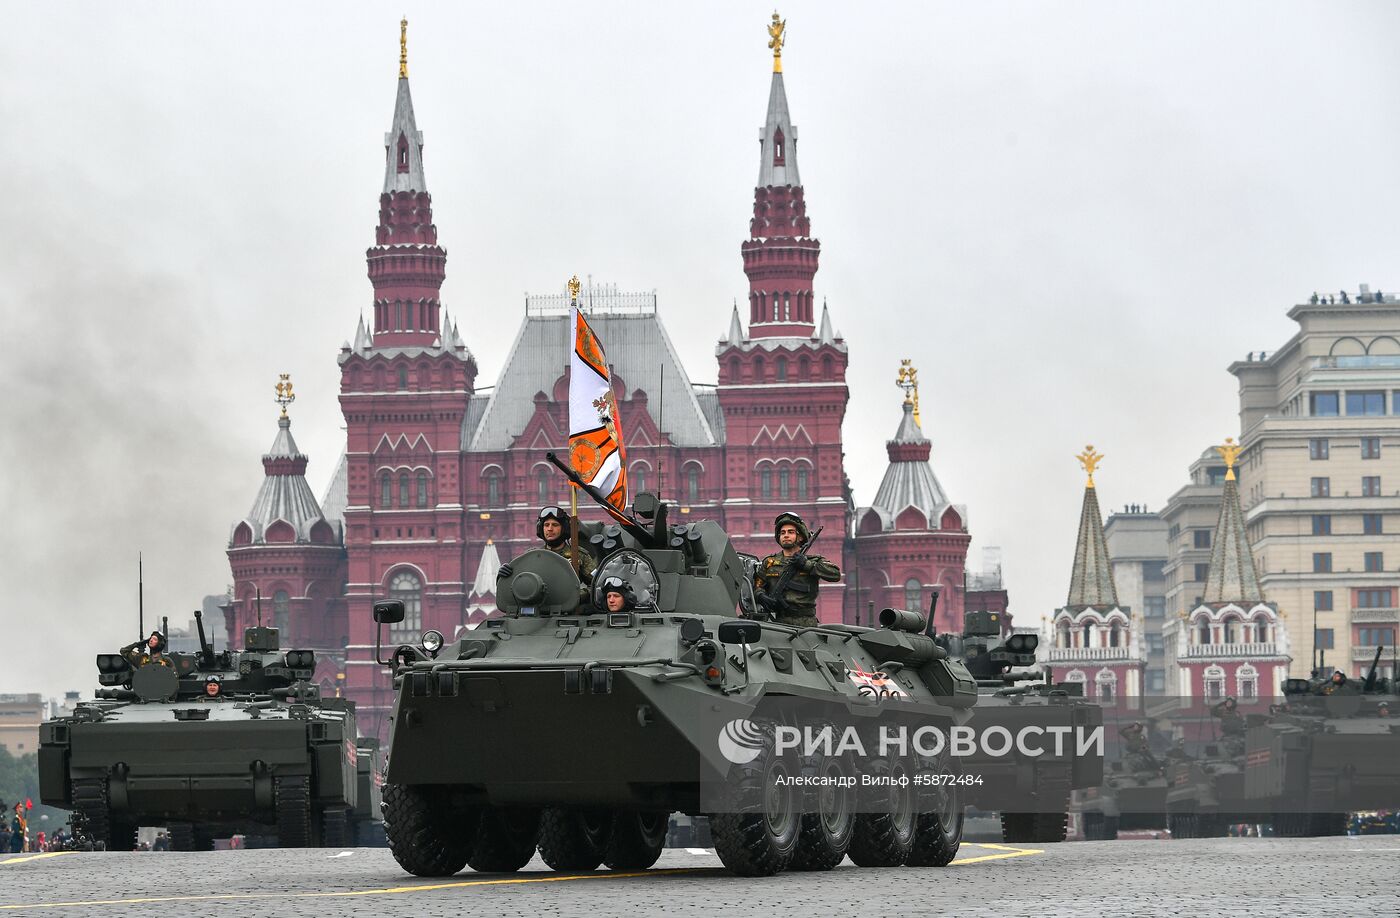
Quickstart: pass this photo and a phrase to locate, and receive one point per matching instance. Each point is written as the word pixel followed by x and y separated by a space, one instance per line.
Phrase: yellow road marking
pixel 1006 851
pixel 388 890
pixel 35 857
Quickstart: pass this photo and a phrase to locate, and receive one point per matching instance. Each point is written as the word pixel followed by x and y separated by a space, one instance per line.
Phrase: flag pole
pixel 575 560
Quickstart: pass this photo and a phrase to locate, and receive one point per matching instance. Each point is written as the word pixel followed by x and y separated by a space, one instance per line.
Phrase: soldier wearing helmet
pixel 553 529
pixel 798 604
pixel 618 595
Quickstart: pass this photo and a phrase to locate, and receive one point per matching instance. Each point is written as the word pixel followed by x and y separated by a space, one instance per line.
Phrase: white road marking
pixel 697 850
pixel 340 854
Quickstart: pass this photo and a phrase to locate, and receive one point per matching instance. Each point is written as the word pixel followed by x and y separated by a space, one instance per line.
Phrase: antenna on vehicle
pixel 661 456
pixel 140 598
pixel 258 590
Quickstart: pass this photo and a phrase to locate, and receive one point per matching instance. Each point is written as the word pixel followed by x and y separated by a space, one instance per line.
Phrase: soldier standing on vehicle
pixel 553 528
pixel 797 605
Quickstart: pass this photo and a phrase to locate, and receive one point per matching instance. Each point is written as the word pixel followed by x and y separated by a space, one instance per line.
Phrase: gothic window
pixel 913 594
pixel 1246 682
pixel 403 378
pixel 787 305
pixel 639 478
pixel 802 474
pixel 758 369
pixel 542 485
pixel 386 490
pixel 804 367
pixel 281 612
pixel 828 367
pixel 734 369
pixel 403 489
pixel 765 484
pixel 780 365
pixel 493 488
pixel 1232 630
pixel 398 315
pixel 1115 635
pixel 1062 634
pixel 422 488
pixel 784 475
pixel 692 484
pixel 403 154
pixel 407 589
pixel 1107 681
pixel 1088 635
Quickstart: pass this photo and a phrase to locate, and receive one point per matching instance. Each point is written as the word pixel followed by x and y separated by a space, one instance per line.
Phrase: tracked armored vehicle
pixel 208 744
pixel 1206 792
pixel 1133 795
pixel 1031 792
pixel 578 731
pixel 1332 750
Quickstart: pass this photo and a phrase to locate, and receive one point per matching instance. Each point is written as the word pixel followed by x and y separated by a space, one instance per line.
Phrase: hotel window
pixel 1202 573
pixel 1322 487
pixel 1322 638
pixel 1322 562
pixel 1321 524
pixel 1371 523
pixel 1377 637
pixel 1323 404
pixel 1201 538
pixel 1375 562
pixel 1371 486
pixel 1365 403
pixel 1370 447
pixel 1322 600
pixel 1318 448
pixel 1373 599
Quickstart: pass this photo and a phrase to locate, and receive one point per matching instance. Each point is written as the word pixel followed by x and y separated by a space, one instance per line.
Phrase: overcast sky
pixel 1071 216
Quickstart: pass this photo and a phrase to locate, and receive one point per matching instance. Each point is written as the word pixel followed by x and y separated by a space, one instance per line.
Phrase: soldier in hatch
pixel 618 595
pixel 1231 721
pixel 797 605
pixel 554 530
pixel 151 650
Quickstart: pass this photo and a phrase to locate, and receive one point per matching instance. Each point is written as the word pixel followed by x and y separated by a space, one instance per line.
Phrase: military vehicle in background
pixel 1331 749
pixel 368 822
pixel 1031 793
pixel 1206 792
pixel 1133 795
pixel 588 728
pixel 208 744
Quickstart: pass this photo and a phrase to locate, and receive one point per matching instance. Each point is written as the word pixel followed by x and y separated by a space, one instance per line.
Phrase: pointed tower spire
pixel 780 257
pixel 284 497
pixel 909 479
pixel 1232 577
pixel 362 340
pixel 736 328
pixel 1091 582
pixel 826 336
pixel 406 290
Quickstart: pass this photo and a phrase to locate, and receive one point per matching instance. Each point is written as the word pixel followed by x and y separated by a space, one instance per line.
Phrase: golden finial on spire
pixel 1090 459
pixel 908 380
pixel 284 392
pixel 403 48
pixel 1229 452
pixel 574 287
pixel 776 40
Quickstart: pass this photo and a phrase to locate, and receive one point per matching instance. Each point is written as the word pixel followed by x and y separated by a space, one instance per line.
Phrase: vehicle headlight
pixel 431 641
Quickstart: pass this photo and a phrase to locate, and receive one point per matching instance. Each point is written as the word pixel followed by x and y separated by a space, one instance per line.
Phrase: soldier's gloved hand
pixel 799 561
pixel 765 602
pixel 505 571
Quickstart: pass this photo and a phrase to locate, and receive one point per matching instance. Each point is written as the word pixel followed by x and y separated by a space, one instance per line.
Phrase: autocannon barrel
pixel 902 620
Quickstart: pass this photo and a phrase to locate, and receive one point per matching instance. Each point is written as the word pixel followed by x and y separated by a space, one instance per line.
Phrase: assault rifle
pixel 780 586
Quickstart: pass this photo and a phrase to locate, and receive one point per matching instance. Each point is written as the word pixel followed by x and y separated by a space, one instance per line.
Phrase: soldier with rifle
pixel 786 582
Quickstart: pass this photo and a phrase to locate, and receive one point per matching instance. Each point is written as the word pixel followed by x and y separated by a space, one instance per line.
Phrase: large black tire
pixel 292 802
pixel 830 823
pixel 505 839
pixel 105 829
pixel 335 828
pixel 938 830
pixel 636 840
pixel 884 836
pixel 757 833
pixel 425 838
pixel 573 840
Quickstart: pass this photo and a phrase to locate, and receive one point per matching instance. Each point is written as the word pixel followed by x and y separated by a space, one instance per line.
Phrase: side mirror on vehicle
pixel 740 632
pixel 388 612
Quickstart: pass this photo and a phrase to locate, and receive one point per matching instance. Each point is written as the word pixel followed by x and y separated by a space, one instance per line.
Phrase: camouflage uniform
pixel 565 550
pixel 798 604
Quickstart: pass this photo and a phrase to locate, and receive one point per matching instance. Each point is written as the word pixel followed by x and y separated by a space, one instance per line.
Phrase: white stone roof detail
pixel 404 124
pixel 778 118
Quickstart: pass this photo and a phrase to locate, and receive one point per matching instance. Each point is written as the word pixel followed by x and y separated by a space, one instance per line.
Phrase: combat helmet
pixel 804 534
pixel 553 513
pixel 615 584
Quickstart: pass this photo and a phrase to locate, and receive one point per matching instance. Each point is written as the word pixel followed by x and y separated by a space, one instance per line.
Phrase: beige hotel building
pixel 1320 478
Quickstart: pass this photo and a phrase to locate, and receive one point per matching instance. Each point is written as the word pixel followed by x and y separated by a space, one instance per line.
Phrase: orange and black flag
pixel 595 432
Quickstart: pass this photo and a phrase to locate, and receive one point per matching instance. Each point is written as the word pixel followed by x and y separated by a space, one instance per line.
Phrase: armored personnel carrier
pixel 208 744
pixel 1133 794
pixel 1331 749
pixel 1031 792
pixel 577 731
